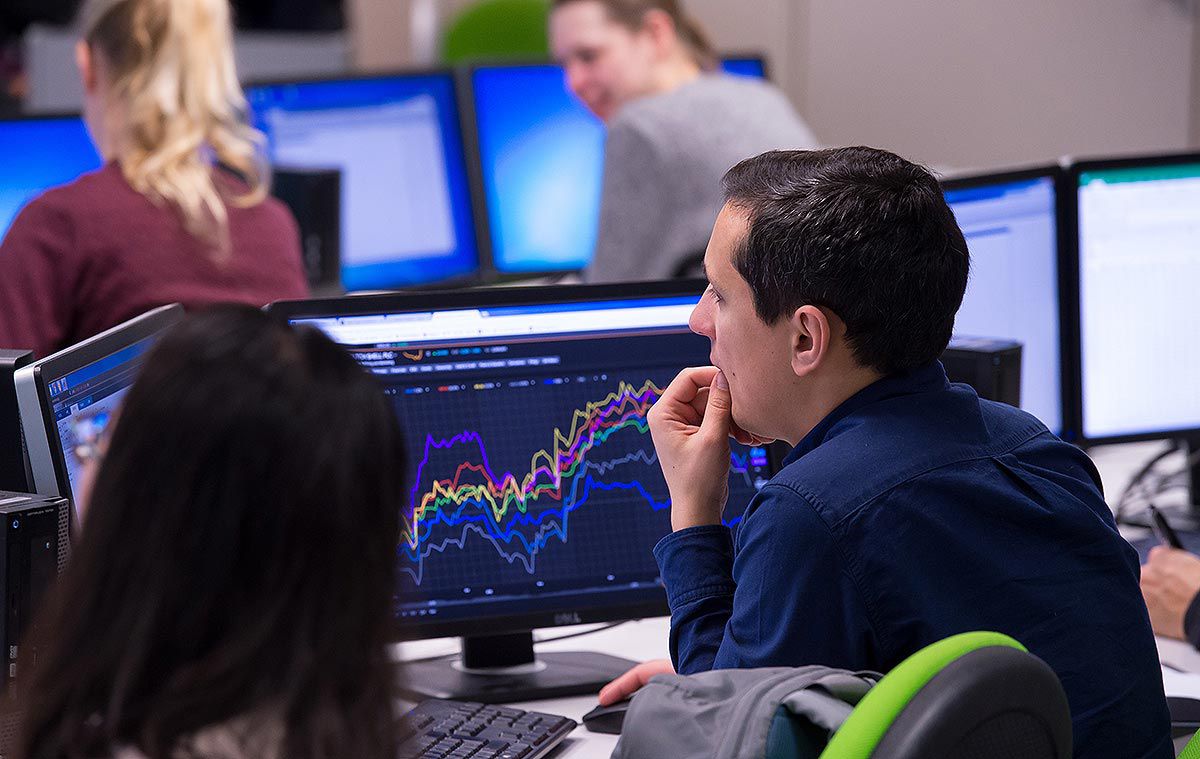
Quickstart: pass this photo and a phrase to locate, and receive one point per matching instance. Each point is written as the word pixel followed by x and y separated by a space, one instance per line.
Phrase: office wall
pixel 962 84
pixel 983 83
pixel 1195 75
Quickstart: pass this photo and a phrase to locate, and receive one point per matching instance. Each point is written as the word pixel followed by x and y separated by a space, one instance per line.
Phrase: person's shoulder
pixel 81 194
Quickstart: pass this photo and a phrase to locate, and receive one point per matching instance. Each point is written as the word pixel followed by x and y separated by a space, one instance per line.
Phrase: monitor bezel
pixel 1072 174
pixel 480 274
pixel 414 629
pixel 1067 292
pixel 48 468
pixel 48 116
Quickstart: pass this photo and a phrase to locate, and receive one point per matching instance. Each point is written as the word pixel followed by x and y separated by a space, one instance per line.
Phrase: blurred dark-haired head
pixel 237 555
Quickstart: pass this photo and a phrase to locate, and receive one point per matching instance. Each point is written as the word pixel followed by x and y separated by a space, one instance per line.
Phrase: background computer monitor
pixel 753 65
pixel 541 154
pixel 1138 251
pixel 536 495
pixel 406 207
pixel 1011 223
pixel 78 388
pixel 37 154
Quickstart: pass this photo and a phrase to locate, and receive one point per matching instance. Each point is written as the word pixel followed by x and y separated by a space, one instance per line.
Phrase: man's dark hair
pixel 237 557
pixel 861 232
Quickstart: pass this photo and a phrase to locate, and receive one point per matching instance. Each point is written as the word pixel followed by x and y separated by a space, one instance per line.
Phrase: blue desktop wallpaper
pixel 542 154
pixel 329 96
pixel 37 154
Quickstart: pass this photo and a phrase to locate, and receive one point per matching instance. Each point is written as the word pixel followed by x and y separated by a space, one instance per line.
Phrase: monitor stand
pixel 498 669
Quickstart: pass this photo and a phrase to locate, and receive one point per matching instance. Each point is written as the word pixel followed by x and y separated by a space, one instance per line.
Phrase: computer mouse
pixel 607 719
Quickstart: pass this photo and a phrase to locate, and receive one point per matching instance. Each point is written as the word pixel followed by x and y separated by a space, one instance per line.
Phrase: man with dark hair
pixel 909 509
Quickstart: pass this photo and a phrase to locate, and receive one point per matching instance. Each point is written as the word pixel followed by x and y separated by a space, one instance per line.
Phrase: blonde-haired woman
pixel 178 213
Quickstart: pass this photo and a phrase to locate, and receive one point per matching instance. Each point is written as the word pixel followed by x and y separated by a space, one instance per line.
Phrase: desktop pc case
pixel 314 197
pixel 992 367
pixel 35 546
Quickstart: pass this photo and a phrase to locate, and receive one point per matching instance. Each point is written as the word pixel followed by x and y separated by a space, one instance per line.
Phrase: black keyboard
pixel 466 730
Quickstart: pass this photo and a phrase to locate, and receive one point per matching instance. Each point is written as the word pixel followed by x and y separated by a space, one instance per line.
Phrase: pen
pixel 1163 529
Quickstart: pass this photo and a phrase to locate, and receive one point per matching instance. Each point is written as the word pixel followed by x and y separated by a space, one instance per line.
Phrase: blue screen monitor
pixel 37 154
pixel 1138 270
pixel 406 215
pixel 535 492
pixel 753 66
pixel 542 155
pixel 1011 224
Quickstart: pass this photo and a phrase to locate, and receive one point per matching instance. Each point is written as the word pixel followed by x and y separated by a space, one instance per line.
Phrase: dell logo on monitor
pixel 568 618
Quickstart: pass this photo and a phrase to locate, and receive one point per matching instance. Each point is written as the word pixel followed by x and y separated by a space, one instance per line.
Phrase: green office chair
pixel 977 695
pixel 498 30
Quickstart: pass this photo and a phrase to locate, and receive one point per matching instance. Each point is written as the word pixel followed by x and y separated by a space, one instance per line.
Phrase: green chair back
pixel 498 30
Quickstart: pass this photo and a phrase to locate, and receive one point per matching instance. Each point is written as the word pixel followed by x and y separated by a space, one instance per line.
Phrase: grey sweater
pixel 664 159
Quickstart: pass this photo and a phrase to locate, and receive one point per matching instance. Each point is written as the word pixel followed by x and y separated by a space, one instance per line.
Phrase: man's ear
pixel 86 65
pixel 812 338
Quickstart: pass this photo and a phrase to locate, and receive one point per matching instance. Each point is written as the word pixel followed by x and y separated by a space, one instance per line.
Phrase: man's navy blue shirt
pixel 913 512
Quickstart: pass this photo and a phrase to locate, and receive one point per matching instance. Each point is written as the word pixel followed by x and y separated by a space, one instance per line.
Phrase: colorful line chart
pixel 565 488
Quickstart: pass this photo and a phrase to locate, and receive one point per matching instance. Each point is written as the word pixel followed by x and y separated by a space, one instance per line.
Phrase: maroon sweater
pixel 91 254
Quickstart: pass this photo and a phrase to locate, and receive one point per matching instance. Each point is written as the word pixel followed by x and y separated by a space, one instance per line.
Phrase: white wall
pixel 955 83
pixel 984 82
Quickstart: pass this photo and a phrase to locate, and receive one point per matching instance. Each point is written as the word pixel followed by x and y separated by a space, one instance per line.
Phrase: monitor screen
pixel 753 66
pixel 1139 266
pixel 535 485
pixel 406 214
pixel 1013 292
pixel 542 154
pixel 68 398
pixel 37 154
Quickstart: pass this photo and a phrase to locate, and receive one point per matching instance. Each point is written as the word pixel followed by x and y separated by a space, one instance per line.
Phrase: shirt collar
pixel 931 376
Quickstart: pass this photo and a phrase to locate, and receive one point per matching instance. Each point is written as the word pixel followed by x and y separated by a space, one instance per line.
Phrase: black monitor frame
pixel 467 144
pixel 1068 291
pixel 42 439
pixel 491 298
pixel 1191 435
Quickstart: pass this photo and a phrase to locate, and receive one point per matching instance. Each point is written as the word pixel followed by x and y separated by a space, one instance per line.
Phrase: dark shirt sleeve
pixel 35 307
pixel 785 596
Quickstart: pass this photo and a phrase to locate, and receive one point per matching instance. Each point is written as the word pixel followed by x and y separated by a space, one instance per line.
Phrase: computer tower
pixel 34 544
pixel 14 466
pixel 315 199
pixel 991 366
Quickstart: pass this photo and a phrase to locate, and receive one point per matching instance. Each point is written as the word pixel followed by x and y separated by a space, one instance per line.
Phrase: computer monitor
pixel 65 395
pixel 37 154
pixel 1011 223
pixel 753 65
pixel 536 495
pixel 1138 265
pixel 406 206
pixel 541 154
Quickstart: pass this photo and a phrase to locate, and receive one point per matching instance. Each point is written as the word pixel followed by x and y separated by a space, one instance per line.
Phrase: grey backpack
pixel 740 714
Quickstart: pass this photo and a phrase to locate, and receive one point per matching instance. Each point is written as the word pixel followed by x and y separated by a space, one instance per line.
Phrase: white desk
pixel 647 639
